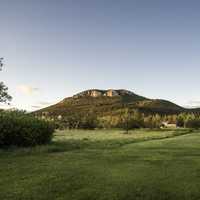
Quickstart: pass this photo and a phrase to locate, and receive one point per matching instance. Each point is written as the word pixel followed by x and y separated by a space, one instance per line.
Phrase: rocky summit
pixel 101 93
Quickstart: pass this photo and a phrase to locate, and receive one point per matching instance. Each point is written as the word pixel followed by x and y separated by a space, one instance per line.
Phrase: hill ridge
pixel 111 102
pixel 108 93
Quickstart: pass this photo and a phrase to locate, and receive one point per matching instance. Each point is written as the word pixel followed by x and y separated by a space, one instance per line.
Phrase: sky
pixel 54 49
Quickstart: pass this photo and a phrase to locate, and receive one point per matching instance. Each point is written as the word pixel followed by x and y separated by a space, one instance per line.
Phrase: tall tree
pixel 4 96
pixel 1 63
pixel 126 119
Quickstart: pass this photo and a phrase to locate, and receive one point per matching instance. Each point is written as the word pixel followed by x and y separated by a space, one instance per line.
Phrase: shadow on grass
pixel 85 143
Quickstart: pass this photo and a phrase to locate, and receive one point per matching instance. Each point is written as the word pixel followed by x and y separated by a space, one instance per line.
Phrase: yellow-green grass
pixel 105 165
pixel 116 134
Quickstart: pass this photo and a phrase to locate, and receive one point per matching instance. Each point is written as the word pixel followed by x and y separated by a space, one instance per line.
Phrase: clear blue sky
pixel 55 48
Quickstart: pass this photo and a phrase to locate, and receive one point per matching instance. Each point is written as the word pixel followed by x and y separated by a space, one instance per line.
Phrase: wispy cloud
pixel 45 103
pixel 6 106
pixel 193 104
pixel 27 89
pixel 42 104
pixel 36 107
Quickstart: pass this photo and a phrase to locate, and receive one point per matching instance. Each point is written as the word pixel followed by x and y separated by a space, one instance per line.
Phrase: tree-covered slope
pixel 106 102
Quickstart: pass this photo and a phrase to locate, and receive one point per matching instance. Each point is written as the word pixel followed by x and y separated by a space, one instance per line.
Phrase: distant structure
pixel 168 125
pixel 59 117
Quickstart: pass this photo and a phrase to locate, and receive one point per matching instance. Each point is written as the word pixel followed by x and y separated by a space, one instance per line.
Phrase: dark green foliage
pixel 128 119
pixel 4 96
pixel 192 123
pixel 1 63
pixel 77 121
pixel 180 121
pixel 188 120
pixel 89 121
pixel 20 129
pixel 131 119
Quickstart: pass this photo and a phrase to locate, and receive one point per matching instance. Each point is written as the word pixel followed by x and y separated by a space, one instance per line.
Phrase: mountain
pixel 111 102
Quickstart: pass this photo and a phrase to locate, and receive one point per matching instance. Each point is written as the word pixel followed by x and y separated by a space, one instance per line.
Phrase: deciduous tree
pixel 4 96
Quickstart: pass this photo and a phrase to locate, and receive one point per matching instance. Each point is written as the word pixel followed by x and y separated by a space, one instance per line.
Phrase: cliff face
pixel 111 93
pixel 106 93
pixel 87 93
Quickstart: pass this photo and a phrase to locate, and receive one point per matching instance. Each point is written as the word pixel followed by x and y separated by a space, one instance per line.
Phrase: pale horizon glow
pixel 55 49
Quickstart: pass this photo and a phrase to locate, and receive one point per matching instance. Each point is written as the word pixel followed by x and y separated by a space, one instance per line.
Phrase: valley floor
pixel 105 165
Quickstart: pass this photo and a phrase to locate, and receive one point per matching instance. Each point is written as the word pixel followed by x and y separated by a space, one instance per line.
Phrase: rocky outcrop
pixel 107 93
pixel 95 93
pixel 111 93
pixel 92 93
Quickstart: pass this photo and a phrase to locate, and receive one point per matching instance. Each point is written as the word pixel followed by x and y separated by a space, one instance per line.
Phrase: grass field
pixel 105 165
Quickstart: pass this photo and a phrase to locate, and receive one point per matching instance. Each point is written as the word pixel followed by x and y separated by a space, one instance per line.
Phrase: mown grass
pixel 105 165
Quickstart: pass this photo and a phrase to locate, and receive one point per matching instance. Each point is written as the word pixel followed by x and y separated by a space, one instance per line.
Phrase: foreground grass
pixel 105 165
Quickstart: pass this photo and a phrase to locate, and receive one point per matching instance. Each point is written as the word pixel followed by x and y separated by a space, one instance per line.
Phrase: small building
pixel 59 117
pixel 168 125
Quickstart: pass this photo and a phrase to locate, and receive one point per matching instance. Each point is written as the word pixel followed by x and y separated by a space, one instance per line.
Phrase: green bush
pixel 20 129
pixel 192 123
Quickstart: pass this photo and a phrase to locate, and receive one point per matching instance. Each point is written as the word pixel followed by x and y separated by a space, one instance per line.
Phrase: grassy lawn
pixel 105 165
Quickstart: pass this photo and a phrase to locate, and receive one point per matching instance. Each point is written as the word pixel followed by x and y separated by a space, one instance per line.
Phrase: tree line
pixel 127 119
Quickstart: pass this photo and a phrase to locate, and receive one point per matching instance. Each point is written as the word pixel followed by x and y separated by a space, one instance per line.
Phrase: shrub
pixel 180 121
pixel 77 121
pixel 88 122
pixel 20 129
pixel 192 123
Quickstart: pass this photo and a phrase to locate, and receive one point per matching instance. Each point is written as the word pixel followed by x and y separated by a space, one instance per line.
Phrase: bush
pixel 77 121
pixel 88 122
pixel 20 129
pixel 192 123
pixel 180 121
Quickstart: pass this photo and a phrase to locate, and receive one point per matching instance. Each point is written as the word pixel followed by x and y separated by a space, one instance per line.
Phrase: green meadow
pixel 105 165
